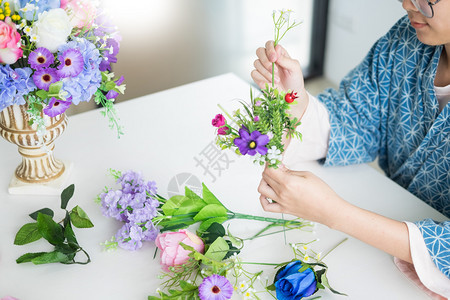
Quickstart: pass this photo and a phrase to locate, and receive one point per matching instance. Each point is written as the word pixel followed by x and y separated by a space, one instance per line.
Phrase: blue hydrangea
pixel 42 5
pixel 14 85
pixel 82 87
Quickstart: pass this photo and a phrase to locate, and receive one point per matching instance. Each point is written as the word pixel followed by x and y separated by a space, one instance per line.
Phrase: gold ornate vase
pixel 40 172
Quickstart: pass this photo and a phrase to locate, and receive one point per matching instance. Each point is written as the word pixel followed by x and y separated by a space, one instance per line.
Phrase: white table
pixel 165 134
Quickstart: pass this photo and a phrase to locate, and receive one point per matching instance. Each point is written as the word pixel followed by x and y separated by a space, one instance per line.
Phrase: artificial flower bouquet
pixel 207 267
pixel 258 130
pixel 55 53
pixel 205 264
pixel 144 213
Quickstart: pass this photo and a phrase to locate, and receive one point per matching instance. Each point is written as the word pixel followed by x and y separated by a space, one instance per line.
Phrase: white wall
pixel 353 27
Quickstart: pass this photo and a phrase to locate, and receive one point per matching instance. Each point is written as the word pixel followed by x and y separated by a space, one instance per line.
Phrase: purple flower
pixel 71 63
pixel 56 107
pixel 215 287
pixel 129 237
pixel 43 78
pixel 251 143
pixel 112 94
pixel 109 201
pixel 40 58
pixel 109 55
pixel 83 86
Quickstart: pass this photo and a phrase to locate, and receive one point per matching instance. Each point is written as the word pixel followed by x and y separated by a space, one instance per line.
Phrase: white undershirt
pixel 315 128
pixel 442 95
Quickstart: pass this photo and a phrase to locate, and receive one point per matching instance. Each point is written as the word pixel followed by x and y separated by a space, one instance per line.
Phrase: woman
pixel 394 105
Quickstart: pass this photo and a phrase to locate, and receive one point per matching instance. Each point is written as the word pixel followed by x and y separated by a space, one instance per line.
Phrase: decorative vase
pixel 40 172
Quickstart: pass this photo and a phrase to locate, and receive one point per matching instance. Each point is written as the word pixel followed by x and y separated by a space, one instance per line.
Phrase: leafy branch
pixel 60 235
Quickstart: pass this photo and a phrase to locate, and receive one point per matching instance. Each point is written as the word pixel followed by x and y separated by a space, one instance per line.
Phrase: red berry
pixel 290 97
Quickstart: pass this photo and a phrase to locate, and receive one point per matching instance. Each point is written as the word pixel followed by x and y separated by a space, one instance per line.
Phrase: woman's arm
pixel 305 195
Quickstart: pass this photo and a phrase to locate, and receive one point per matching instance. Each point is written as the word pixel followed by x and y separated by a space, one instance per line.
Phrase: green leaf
pixel 271 287
pixel 209 197
pixel 190 194
pixel 70 235
pixel 66 194
pixel 54 88
pixel 205 224
pixel 42 94
pixel 214 231
pixel 45 211
pixel 28 257
pixel 49 229
pixel 171 205
pixel 211 211
pixel 324 281
pixel 27 233
pixel 51 257
pixel 185 286
pixel 218 249
pixel 79 218
pixel 190 206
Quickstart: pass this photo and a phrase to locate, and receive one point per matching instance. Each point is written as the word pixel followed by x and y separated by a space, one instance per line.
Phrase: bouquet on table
pixel 258 130
pixel 203 265
pixel 57 53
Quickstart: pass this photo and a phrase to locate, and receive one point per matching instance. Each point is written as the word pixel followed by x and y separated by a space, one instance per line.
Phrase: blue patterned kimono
pixel 387 107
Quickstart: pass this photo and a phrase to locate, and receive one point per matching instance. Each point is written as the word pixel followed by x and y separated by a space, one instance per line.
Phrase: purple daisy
pixel 251 143
pixel 72 63
pixel 56 107
pixel 43 78
pixel 215 287
pixel 40 58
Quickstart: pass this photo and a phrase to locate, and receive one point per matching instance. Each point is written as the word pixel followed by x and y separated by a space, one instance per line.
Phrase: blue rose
pixel 291 284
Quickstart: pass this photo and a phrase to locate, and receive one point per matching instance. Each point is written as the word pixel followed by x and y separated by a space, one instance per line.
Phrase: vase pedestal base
pixel 51 188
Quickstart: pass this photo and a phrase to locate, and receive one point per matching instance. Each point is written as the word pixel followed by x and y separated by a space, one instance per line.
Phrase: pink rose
pixel 218 121
pixel 223 130
pixel 81 12
pixel 172 253
pixel 10 50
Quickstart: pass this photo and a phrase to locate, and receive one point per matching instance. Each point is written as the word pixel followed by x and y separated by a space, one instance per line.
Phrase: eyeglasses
pixel 425 7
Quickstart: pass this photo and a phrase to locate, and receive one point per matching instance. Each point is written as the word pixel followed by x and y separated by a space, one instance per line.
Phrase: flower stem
pixel 334 248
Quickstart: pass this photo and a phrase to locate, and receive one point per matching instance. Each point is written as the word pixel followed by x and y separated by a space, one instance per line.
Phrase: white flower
pixel 274 154
pixel 53 27
pixel 258 158
pixel 243 286
pixel 34 38
pixel 28 7
pixel 28 30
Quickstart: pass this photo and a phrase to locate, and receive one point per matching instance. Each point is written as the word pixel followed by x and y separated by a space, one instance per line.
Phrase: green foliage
pixel 60 235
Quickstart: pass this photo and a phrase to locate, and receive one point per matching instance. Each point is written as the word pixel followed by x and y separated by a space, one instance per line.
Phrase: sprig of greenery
pixel 60 235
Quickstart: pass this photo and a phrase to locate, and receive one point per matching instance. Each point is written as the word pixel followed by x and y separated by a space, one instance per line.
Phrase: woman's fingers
pixel 269 205
pixel 263 71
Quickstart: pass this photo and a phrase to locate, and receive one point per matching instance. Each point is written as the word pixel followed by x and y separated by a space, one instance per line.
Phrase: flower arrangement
pixel 146 213
pixel 258 130
pixel 57 53
pixel 205 264
pixel 207 267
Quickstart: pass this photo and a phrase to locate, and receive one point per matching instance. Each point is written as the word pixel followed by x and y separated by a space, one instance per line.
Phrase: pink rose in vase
pixel 172 253
pixel 10 50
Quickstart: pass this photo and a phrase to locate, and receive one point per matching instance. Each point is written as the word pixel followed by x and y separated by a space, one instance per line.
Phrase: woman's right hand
pixel 288 74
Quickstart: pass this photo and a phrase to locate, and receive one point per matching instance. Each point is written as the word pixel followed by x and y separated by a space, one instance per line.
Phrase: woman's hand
pixel 298 193
pixel 305 195
pixel 288 74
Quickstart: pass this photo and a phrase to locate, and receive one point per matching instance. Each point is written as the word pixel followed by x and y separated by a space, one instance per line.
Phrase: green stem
pixel 233 215
pixel 334 248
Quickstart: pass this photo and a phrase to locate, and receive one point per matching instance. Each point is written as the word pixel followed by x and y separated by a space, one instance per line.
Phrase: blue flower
pixel 292 284
pixel 83 86
pixel 42 5
pixel 14 85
